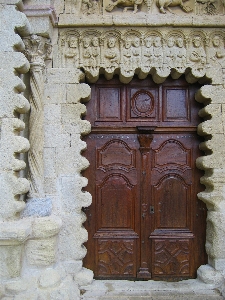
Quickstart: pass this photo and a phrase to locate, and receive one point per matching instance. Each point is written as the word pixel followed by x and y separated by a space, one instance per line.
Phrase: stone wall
pixel 28 237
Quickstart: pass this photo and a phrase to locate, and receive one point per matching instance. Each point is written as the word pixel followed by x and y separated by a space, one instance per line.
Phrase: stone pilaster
pixel 213 164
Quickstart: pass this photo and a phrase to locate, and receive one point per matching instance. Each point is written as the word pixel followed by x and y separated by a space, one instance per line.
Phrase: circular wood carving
pixel 142 103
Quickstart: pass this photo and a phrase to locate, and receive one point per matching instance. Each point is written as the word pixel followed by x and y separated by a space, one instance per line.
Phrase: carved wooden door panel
pixel 145 220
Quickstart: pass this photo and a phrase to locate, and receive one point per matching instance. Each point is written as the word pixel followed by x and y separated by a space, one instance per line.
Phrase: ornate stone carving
pixel 126 4
pixel 127 57
pixel 209 7
pixel 216 51
pixel 147 52
pixel 72 52
pixel 84 8
pixel 91 54
pixel 197 55
pixel 169 53
pixel 166 4
pixel 112 55
pixel 157 52
pixel 90 7
pixel 135 51
pixel 38 49
pixel 180 54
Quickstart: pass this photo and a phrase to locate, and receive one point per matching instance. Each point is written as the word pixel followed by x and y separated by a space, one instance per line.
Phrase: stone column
pixel 37 51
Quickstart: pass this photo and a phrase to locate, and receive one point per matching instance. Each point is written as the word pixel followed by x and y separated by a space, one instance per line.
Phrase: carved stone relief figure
pixel 91 54
pixel 197 55
pixel 147 53
pixel 136 53
pixel 86 7
pixel 127 56
pixel 112 55
pixel 87 53
pixel 95 53
pixel 95 6
pixel 166 4
pixel 90 7
pixel 72 52
pixel 208 7
pixel 125 4
pixel 216 53
pixel 180 54
pixel 157 52
pixel 141 50
pixel 169 53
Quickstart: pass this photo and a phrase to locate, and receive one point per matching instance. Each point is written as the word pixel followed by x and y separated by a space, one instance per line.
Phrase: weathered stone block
pixel 209 275
pixel 71 237
pixel 78 92
pixel 54 94
pixel 52 114
pixel 62 75
pixel 49 278
pixel 41 252
pixel 10 261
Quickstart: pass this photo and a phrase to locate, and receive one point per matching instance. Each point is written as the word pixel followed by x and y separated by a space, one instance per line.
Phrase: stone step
pixel 150 290
pixel 169 296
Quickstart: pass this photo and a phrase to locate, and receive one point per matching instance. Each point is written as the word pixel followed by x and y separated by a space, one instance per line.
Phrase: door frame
pixel 142 130
pixel 205 273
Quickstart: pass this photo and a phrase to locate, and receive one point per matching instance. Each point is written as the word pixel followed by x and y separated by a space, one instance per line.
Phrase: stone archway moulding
pixel 200 55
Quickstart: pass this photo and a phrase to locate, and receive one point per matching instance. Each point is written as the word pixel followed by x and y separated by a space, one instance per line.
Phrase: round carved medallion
pixel 142 103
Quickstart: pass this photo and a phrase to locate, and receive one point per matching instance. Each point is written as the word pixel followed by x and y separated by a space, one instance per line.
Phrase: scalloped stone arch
pixel 210 273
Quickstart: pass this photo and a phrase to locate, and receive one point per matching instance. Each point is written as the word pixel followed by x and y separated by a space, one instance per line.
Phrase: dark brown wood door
pixel 145 220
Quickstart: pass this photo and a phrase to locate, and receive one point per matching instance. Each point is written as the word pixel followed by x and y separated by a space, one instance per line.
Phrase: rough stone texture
pixel 213 196
pixel 63 130
pixel 13 233
pixel 10 261
pixel 20 280
pixel 209 275
pixel 12 102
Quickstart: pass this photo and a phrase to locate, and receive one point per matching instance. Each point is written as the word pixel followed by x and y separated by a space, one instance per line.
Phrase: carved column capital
pixel 37 50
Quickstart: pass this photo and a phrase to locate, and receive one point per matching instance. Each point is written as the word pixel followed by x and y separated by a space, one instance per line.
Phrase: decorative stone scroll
pixel 142 52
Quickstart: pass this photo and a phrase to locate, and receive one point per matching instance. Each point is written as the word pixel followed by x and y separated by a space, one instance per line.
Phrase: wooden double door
pixel 145 220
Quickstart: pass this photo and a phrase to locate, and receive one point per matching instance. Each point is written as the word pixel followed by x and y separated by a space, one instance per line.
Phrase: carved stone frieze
pixel 85 8
pixel 142 52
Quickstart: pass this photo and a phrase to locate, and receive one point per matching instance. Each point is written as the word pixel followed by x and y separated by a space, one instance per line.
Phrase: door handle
pixel 152 210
